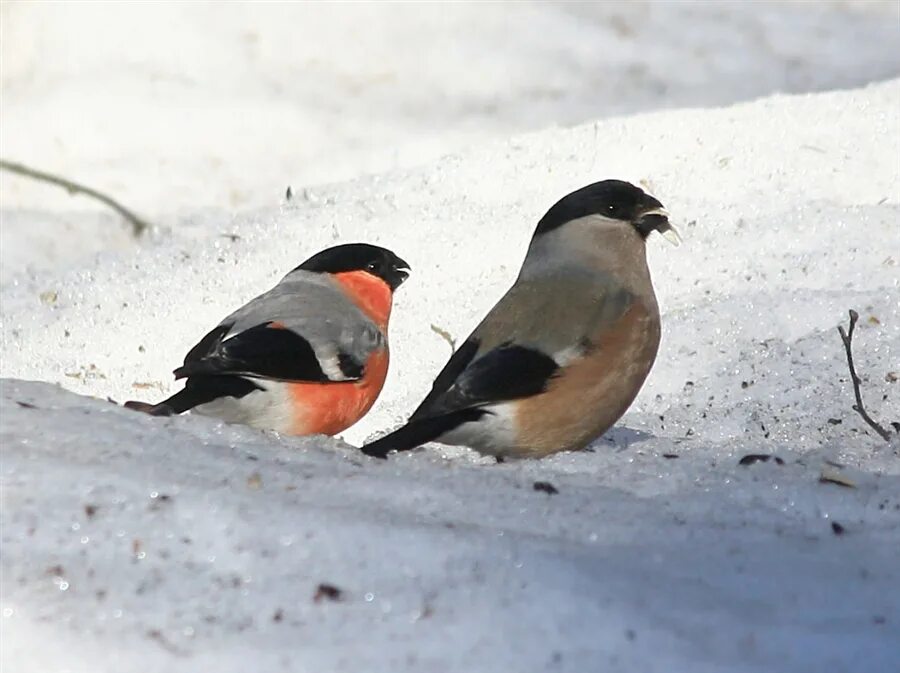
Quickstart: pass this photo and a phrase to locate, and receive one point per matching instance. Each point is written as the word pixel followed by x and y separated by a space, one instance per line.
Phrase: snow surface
pixel 132 543
pixel 174 106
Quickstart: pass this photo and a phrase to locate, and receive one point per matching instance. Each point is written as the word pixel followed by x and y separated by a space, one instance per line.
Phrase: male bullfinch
pixel 565 351
pixel 309 356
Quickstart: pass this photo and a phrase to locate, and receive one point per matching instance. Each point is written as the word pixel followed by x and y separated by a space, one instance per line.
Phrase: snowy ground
pixel 140 544
pixel 171 107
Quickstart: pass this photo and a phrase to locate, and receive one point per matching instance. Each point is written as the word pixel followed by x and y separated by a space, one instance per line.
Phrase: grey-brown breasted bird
pixel 309 356
pixel 563 354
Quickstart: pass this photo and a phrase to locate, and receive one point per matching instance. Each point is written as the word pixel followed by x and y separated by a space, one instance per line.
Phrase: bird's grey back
pixel 579 277
pixel 577 303
pixel 314 306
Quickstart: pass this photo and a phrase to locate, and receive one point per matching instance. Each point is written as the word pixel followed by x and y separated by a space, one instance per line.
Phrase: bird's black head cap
pixel 379 262
pixel 613 199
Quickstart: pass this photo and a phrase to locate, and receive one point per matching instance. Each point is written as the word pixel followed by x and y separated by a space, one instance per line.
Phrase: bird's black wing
pixel 506 372
pixel 464 387
pixel 265 351
pixel 447 376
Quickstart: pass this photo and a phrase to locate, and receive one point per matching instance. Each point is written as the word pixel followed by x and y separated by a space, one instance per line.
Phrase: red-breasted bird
pixel 563 354
pixel 309 356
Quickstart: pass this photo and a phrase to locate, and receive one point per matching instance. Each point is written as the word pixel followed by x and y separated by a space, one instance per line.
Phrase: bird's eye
pixel 371 266
pixel 611 208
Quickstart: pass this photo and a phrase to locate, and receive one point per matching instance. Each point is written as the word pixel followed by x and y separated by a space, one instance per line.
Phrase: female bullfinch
pixel 564 353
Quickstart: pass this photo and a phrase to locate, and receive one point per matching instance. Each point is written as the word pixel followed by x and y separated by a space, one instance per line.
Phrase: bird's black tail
pixel 197 390
pixel 420 431
pixel 160 409
pixel 177 404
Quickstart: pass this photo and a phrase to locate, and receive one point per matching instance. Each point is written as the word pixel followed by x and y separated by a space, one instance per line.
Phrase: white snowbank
pixel 174 106
pixel 789 207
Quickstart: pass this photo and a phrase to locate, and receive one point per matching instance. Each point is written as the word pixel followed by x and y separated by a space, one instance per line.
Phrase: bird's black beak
pixel 400 273
pixel 657 219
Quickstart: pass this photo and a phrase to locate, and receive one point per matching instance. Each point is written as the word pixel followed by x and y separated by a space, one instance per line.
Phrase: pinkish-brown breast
pixel 594 391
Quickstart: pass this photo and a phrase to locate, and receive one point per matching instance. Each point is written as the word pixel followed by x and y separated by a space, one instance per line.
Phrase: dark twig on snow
pixel 847 338
pixel 138 225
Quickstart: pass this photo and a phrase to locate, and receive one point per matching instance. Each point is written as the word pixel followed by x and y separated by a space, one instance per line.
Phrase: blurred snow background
pixel 173 107
pixel 139 544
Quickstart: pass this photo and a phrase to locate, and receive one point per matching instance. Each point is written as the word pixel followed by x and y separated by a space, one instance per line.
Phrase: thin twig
pixel 445 335
pixel 138 225
pixel 847 338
